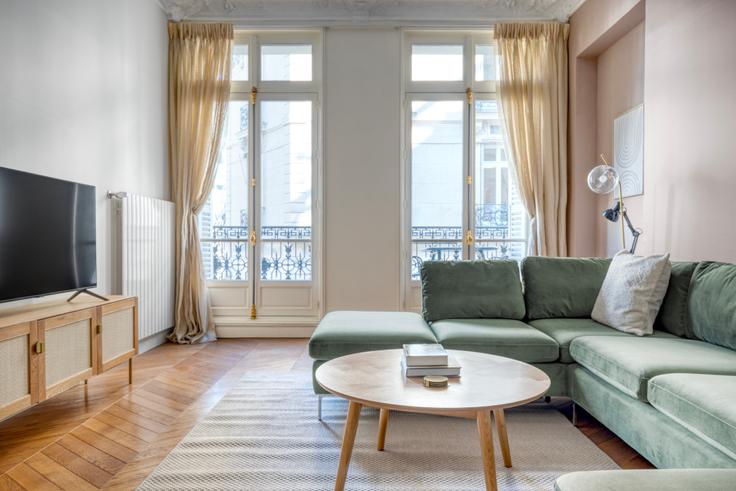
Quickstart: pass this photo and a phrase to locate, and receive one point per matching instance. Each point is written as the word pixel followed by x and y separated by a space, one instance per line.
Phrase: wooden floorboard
pixel 92 454
pixel 57 473
pixel 111 435
pixel 104 444
pixel 28 478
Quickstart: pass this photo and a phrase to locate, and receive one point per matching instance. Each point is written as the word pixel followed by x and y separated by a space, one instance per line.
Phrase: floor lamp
pixel 604 179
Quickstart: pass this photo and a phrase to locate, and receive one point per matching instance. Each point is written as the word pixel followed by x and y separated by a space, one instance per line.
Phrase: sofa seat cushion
pixel 565 330
pixel 704 404
pixel 502 337
pixel 648 480
pixel 629 362
pixel 345 332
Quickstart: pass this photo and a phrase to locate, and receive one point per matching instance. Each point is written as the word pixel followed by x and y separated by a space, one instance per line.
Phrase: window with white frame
pixel 461 198
pixel 259 225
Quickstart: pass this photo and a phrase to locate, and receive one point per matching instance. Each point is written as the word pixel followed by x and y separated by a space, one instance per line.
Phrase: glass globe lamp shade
pixel 602 179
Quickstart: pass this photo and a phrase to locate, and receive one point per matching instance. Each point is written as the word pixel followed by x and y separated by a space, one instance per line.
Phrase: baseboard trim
pixel 152 341
pixel 264 327
pixel 263 331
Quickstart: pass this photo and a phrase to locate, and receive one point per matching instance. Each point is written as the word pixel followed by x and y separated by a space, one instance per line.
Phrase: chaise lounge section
pixel 670 395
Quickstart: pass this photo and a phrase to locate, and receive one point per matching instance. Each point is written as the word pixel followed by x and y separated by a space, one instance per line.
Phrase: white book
pixel 452 369
pixel 422 355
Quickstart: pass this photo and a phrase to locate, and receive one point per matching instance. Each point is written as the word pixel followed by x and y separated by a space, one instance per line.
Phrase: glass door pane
pixel 499 215
pixel 436 62
pixel 437 163
pixel 286 190
pixel 239 64
pixel 486 62
pixel 223 222
pixel 286 62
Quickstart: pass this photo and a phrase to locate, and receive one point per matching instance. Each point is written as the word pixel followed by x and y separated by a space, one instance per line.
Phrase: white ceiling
pixel 382 12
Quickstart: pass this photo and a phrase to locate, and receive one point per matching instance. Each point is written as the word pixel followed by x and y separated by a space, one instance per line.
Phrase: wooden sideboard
pixel 47 348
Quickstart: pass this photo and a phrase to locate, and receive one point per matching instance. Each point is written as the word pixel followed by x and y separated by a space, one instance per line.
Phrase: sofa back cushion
pixel 673 316
pixel 471 290
pixel 562 287
pixel 712 303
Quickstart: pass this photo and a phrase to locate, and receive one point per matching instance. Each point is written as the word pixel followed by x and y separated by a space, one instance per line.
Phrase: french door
pixel 462 199
pixel 283 238
pixel 259 230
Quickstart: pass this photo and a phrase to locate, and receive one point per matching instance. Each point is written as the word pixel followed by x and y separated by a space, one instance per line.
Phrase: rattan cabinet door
pixel 69 350
pixel 18 377
pixel 118 333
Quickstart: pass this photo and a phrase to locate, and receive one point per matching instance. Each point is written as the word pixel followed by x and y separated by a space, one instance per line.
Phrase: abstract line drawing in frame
pixel 628 150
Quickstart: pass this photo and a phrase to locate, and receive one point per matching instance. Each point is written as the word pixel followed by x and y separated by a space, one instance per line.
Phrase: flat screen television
pixel 47 235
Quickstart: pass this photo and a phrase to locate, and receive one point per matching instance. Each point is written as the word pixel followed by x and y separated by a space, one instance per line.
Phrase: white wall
pixel 83 97
pixel 362 175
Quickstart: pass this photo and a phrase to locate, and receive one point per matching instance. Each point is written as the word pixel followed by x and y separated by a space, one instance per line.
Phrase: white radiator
pixel 147 260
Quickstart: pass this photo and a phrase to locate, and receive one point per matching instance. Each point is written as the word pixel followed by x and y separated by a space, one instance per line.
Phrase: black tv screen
pixel 47 235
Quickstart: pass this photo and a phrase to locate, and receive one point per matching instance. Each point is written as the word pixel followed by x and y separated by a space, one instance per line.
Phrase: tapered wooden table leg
pixel 382 425
pixel 348 439
pixel 486 449
pixel 503 437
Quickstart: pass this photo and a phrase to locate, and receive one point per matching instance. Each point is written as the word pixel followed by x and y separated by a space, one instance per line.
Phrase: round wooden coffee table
pixel 488 384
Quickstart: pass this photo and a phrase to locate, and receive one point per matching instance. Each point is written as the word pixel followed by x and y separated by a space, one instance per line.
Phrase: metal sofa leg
pixel 319 407
pixel 574 414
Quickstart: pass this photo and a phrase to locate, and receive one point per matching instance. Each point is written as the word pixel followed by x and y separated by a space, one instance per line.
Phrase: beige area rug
pixel 264 435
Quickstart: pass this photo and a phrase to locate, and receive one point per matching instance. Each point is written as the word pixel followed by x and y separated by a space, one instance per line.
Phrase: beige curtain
pixel 533 95
pixel 199 89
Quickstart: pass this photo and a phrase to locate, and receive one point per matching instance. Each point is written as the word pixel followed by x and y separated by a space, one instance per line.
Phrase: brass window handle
pixel 253 238
pixel 39 347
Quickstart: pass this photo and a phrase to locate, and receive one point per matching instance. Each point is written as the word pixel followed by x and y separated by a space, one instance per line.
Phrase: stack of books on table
pixel 420 360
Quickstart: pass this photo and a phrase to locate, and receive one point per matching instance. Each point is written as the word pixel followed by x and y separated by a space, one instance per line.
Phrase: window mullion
pixel 470 149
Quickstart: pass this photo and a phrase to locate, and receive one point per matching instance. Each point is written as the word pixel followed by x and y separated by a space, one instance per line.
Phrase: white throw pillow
pixel 632 292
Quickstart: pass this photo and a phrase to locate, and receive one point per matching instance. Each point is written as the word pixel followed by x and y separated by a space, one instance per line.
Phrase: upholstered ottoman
pixel 342 333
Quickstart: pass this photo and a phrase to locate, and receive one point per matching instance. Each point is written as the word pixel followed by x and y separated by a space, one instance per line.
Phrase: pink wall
pixel 689 202
pixel 620 87
pixel 595 26
pixel 689 74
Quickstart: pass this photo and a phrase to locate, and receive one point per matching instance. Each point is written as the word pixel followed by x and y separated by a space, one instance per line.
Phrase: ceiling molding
pixel 388 12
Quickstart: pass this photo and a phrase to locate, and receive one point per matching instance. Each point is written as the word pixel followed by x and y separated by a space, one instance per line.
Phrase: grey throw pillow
pixel 632 292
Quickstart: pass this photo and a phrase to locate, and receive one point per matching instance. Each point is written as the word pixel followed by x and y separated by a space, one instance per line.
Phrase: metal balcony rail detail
pixel 286 251
pixel 492 236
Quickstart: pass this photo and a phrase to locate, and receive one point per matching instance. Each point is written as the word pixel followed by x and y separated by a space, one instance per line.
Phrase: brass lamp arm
pixel 623 210
pixel 620 203
pixel 635 232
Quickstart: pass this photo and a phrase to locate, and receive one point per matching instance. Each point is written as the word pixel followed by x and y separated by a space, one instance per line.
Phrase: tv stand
pixel 88 292
pixel 55 345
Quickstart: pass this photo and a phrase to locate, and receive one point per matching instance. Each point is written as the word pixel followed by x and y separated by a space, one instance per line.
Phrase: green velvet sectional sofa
pixel 671 396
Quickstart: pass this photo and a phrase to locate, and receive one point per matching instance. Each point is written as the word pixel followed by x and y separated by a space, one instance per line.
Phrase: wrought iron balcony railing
pixel 452 249
pixel 286 252
pixel 492 239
